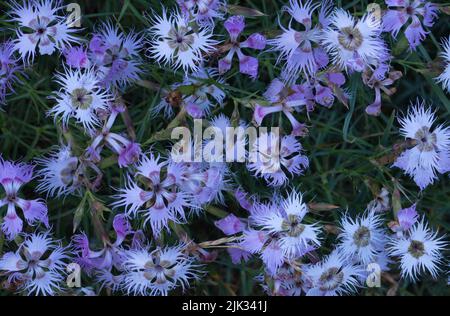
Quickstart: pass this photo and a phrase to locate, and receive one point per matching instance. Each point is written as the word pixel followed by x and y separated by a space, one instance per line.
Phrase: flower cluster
pixel 138 198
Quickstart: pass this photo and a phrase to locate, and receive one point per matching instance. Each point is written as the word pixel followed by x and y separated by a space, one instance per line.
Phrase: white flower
pixel 333 276
pixel 58 173
pixel 284 219
pixel 354 44
pixel 157 272
pixel 41 27
pixel 80 97
pixel 432 145
pixel 418 252
pixel 444 77
pixel 38 265
pixel 174 42
pixel 362 238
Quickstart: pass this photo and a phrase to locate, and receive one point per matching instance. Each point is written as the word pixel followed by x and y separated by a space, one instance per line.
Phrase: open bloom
pixel 430 149
pixel 300 49
pixel 334 275
pixel 175 42
pixel 158 271
pixel 59 173
pixel 277 231
pixel 282 98
pixel 13 175
pixel 160 199
pixel 40 26
pixel 38 266
pixel 204 12
pixel 272 158
pixel 444 77
pixel 403 12
pixel 362 238
pixel 80 97
pixel 247 64
pixel 116 55
pixel 128 151
pixel 354 44
pixel 419 251
pixel 9 69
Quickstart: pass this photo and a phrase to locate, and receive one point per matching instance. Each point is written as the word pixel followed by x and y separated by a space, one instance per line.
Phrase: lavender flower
pixel 333 276
pixel 161 199
pixel 40 26
pixel 283 98
pixel 400 12
pixel 38 266
pixel 275 156
pixel 431 146
pixel 247 65
pixel 79 97
pixel 176 43
pixel 158 271
pixel 354 44
pixel 277 233
pixel 13 175
pixel 204 12
pixel 419 251
pixel 301 50
pixel 9 70
pixel 116 55
pixel 76 57
pixel 406 218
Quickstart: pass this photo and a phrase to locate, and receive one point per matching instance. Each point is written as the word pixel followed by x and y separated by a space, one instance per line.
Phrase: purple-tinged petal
pixel 230 225
pixel 393 21
pixel 238 255
pixel 248 65
pixel 415 33
pixel 407 217
pixel 261 111
pixel 255 41
pixel 235 25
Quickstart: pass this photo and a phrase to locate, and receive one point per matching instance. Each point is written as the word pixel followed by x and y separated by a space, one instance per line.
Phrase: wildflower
pixel 76 57
pixel 400 12
pixel 406 218
pixel 127 150
pixel 431 145
pixel 176 43
pixel 362 238
pixel 272 157
pixel 301 49
pixel 116 55
pixel 59 175
pixel 282 98
pixel 334 275
pixel 40 26
pixel 354 44
pixel 444 77
pixel 38 266
pixel 13 175
pixel 199 101
pixel 230 225
pixel 277 231
pixel 204 12
pixel 9 70
pixel 160 200
pixel 419 251
pixel 79 97
pixel 159 271
pixel 247 65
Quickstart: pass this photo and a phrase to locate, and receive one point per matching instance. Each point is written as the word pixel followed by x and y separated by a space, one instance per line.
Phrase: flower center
pixel 331 279
pixel 362 236
pixel 350 38
pixel 81 98
pixel 292 226
pixel 416 249
pixel 425 139
pixel 180 39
